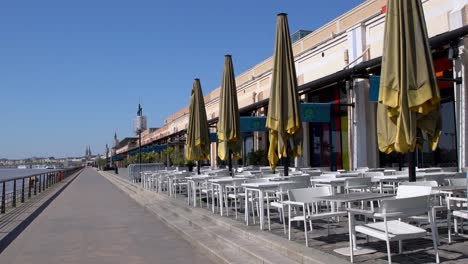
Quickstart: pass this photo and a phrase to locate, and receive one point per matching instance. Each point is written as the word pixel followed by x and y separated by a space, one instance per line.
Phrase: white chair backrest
pixel 407 206
pixel 459 175
pixel 313 173
pixel 400 173
pixel 421 183
pixel 329 172
pixel 362 168
pixel 257 180
pixel 301 178
pixel 307 195
pixel 349 183
pixel 222 173
pixel 439 178
pixel 406 191
pixel 370 174
pixel 458 182
pixel 296 185
pixel 271 175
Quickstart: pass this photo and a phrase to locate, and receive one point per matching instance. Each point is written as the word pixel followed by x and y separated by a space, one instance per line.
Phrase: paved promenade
pixel 93 222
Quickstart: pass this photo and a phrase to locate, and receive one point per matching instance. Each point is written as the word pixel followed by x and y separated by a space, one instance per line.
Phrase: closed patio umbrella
pixel 198 135
pixel 229 137
pixel 409 97
pixel 283 118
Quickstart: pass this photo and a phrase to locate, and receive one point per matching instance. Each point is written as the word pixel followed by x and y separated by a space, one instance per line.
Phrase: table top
pixel 262 185
pixel 226 180
pixel 348 174
pixel 330 180
pixel 199 178
pixel 355 197
pixel 450 188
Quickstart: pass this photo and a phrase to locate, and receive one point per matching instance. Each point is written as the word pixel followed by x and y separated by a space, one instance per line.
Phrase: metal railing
pixel 25 187
pixel 135 170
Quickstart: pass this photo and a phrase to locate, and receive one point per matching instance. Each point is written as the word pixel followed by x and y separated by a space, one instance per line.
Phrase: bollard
pixel 22 192
pixel 3 199
pixel 13 202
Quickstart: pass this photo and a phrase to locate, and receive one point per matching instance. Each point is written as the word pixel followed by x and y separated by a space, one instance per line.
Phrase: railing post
pixel 13 203
pixel 29 187
pixel 22 192
pixel 3 199
pixel 47 180
pixel 35 185
pixel 44 182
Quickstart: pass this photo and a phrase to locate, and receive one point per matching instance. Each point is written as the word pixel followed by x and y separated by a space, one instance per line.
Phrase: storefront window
pixel 329 141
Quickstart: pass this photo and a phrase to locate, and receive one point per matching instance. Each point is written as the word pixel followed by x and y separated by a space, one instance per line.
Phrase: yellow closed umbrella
pixel 229 137
pixel 409 97
pixel 198 135
pixel 283 119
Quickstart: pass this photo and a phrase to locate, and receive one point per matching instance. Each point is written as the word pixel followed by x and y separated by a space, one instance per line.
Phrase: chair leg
pixel 389 252
pixel 305 231
pixel 449 226
pixel 289 223
pixel 284 224
pixel 351 237
pixel 434 236
pixel 235 205
pixel 268 216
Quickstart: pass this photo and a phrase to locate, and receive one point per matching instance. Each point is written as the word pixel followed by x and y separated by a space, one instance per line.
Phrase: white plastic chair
pixel 458 182
pixel 458 208
pixel 279 202
pixel 393 230
pixel 304 199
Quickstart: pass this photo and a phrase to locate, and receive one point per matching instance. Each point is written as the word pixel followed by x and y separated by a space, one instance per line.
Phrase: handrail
pixel 45 171
pixel 36 183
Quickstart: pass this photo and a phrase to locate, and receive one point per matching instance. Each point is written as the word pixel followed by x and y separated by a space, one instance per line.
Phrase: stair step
pixel 224 239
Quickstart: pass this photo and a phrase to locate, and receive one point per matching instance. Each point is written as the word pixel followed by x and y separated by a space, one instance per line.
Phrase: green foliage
pixel 101 162
pixel 258 157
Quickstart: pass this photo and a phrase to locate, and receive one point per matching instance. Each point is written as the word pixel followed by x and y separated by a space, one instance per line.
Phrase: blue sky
pixel 72 72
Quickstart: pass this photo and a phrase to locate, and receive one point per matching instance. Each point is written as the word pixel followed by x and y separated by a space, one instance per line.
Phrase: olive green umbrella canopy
pixel 229 137
pixel 198 135
pixel 409 98
pixel 283 119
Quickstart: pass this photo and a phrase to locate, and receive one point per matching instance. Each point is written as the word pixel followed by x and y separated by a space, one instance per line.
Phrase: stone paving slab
pixel 94 222
pixel 414 251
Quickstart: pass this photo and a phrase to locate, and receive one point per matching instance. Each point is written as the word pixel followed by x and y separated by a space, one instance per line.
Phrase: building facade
pixel 336 64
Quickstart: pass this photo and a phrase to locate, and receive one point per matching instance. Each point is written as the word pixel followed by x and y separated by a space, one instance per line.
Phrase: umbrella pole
pixel 230 162
pixel 286 165
pixel 400 161
pixel 411 166
pixel 198 167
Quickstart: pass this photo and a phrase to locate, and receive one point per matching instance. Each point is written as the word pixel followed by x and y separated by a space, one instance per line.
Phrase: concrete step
pixel 220 234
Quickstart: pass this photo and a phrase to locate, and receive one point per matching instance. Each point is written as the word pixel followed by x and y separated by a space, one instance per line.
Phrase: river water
pixel 6 174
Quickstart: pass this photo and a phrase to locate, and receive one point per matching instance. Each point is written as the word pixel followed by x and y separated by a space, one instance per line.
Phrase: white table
pixel 260 188
pixel 192 182
pixel 221 184
pixel 348 198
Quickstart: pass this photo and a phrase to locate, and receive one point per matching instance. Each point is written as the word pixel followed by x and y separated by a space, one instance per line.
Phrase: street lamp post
pixel 139 125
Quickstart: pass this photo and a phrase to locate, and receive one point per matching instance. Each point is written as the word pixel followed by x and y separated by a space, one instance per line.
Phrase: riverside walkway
pixel 91 221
